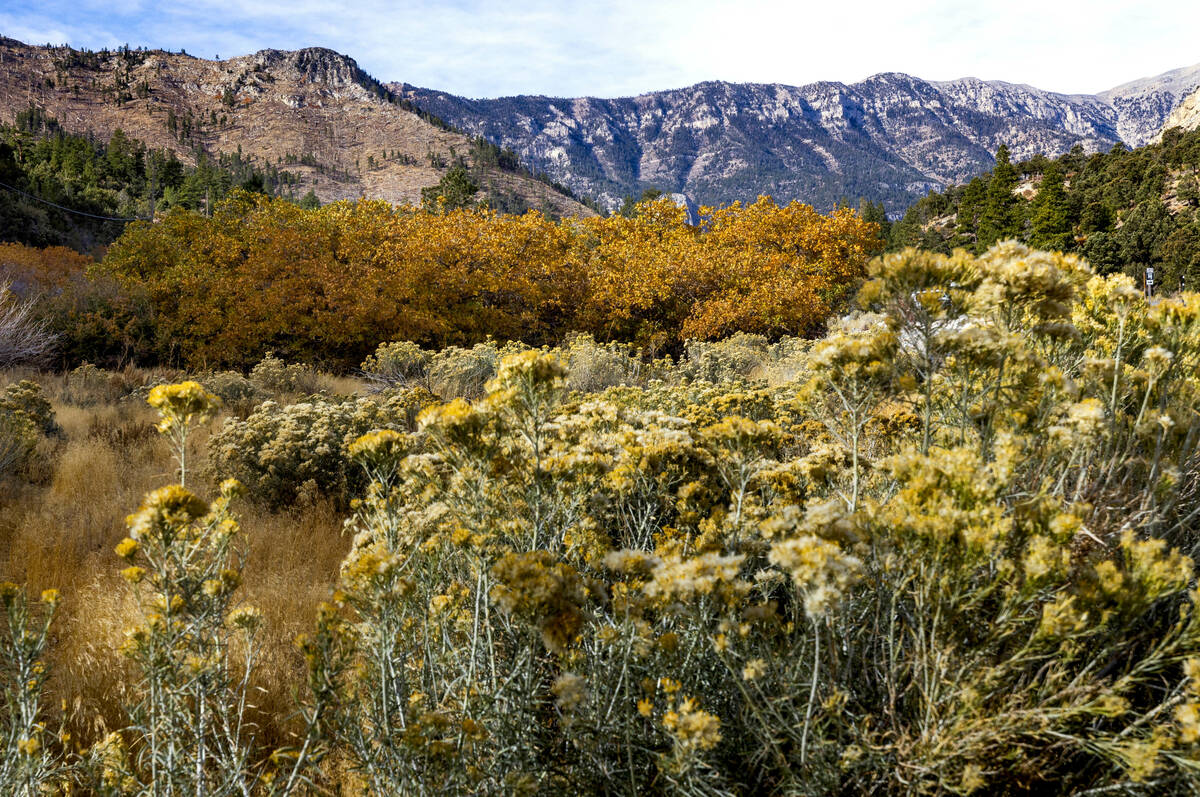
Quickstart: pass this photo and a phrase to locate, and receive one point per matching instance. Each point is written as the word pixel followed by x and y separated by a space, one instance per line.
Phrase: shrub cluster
pixel 951 560
pixel 956 556
pixel 285 452
pixel 25 418
pixel 346 276
pixel 273 375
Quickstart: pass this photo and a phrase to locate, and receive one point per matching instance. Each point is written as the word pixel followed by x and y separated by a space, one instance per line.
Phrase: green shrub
pixel 273 375
pixel 89 385
pixel 18 439
pixel 230 386
pixel 592 366
pixel 733 359
pixel 456 372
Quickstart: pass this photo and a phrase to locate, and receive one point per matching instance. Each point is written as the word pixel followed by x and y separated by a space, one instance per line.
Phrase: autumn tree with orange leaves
pixel 330 284
pixel 758 268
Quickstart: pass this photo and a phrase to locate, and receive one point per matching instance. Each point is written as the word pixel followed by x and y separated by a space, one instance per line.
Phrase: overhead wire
pixel 65 209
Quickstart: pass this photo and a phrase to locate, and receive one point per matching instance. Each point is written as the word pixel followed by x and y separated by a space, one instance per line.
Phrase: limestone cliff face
pixel 1186 115
pixel 1144 105
pixel 890 137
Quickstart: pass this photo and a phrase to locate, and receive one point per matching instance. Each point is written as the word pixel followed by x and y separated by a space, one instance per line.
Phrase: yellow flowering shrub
pixel 30 754
pixel 18 438
pixel 945 555
pixel 277 450
pixel 397 362
pixel 947 549
pixel 27 397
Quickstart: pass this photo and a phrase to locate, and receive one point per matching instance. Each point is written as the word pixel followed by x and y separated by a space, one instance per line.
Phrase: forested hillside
pixel 1122 210
pixel 60 189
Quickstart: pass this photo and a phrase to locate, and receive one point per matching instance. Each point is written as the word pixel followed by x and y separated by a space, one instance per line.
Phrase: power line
pixel 65 209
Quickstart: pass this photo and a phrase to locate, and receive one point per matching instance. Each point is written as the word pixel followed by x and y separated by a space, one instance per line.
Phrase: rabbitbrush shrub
pixel 26 397
pixel 958 557
pixel 396 363
pixel 280 452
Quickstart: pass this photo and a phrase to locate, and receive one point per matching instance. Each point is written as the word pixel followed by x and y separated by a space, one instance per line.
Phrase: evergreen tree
pixel 629 205
pixel 1000 217
pixel 1051 228
pixel 970 208
pixel 1181 266
pixel 455 190
pixel 876 213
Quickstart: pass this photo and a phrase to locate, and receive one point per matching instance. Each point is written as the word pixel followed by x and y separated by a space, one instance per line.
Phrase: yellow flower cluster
pixel 165 511
pixel 691 726
pixel 183 404
pixel 819 569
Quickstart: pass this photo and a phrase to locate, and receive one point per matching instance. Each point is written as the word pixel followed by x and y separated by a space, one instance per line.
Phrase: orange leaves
pixel 330 284
pixel 39 270
pixel 759 268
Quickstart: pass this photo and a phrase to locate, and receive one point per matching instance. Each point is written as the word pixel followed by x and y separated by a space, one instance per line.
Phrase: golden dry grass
pixel 60 532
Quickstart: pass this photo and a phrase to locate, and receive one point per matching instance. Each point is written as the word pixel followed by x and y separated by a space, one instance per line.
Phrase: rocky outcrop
pixel 891 137
pixel 1144 105
pixel 1186 116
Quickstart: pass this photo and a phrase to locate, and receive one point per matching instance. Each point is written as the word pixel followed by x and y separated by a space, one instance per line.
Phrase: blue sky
pixel 623 47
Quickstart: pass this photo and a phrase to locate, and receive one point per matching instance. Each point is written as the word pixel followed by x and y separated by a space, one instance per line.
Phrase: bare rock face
pixel 891 137
pixel 1186 116
pixel 1144 105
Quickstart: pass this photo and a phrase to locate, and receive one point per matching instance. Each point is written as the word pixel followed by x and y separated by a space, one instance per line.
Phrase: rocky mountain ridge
pixel 891 137
pixel 313 112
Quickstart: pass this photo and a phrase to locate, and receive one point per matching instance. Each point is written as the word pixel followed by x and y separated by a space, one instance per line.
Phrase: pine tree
pixel 1051 213
pixel 1000 217
pixel 970 208
pixel 456 190
pixel 876 213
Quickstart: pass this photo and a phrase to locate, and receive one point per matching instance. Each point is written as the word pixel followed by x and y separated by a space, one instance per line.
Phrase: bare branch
pixel 24 338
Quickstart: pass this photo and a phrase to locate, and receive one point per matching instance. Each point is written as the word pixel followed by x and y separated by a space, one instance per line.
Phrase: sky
pixel 624 47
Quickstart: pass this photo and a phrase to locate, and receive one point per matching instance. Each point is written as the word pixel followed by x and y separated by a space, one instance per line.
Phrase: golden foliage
pixel 332 283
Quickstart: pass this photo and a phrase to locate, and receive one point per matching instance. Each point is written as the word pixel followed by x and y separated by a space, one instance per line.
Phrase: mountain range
pixel 891 137
pixel 311 112
pixel 342 134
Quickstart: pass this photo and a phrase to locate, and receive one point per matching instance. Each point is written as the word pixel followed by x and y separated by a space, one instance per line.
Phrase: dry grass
pixel 292 564
pixel 60 532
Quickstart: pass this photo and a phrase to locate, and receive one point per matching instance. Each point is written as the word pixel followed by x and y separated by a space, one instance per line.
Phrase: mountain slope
pixel 891 137
pixel 313 112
